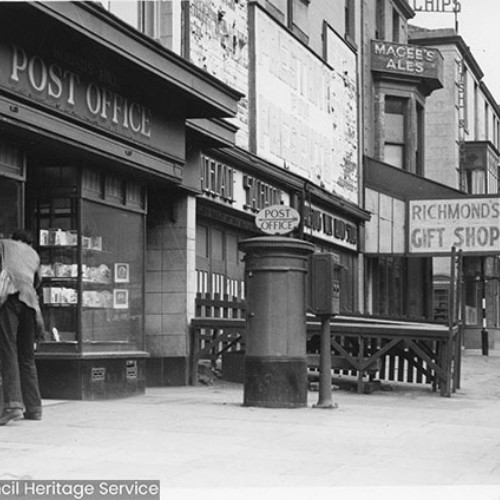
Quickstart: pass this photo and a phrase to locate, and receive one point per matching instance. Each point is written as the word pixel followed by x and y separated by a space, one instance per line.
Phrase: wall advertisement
pixel 306 110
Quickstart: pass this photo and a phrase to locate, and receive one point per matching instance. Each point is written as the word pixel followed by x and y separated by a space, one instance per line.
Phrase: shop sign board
pixel 468 224
pixel 330 227
pixel 444 6
pixel 87 92
pixel 224 184
pixel 413 60
pixel 277 219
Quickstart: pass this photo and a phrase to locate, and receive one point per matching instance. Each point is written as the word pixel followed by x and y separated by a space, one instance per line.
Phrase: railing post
pixel 361 346
pixel 195 350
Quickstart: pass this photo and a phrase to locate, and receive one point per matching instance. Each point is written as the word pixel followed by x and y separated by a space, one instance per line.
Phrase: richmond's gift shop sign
pixel 468 224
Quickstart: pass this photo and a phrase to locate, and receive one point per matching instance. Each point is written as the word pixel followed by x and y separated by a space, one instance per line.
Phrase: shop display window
pixel 91 245
pixel 112 276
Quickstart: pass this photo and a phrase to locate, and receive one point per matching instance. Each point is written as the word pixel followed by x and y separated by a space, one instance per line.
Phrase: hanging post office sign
pixel 468 224
pixel 277 219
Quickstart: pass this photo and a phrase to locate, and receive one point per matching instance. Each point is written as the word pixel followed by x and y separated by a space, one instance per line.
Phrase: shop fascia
pixel 226 185
pixel 331 228
pixel 246 193
pixel 69 92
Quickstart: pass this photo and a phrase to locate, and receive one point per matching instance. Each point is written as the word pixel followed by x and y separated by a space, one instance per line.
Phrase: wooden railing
pixel 404 351
pixel 219 327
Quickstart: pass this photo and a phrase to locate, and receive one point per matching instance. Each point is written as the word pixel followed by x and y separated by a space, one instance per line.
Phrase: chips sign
pixel 277 219
pixel 437 6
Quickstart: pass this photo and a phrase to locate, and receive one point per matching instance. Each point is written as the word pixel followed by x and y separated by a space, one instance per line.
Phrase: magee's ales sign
pixel 412 60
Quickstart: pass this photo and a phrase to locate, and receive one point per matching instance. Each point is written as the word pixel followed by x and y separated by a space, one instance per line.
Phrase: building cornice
pixel 425 37
pixel 91 20
pixel 405 8
pixel 253 164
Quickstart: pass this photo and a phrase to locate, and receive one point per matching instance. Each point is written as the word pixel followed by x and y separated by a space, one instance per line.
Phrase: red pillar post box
pixel 275 351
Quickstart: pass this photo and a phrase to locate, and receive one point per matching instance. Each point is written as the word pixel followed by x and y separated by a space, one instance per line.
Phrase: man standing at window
pixel 20 324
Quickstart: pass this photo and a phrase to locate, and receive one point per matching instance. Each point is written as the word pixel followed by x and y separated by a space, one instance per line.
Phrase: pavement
pixel 401 442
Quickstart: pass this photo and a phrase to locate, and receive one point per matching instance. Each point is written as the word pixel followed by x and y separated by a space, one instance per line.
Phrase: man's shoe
pixel 10 414
pixel 33 415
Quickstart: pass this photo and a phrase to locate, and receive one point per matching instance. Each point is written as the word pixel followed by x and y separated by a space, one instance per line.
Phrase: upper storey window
pixel 293 14
pixel 403 133
pixel 395 131
pixel 389 24
pixel 156 19
pixel 380 20
pixel 350 21
pixel 396 30
pixel 127 11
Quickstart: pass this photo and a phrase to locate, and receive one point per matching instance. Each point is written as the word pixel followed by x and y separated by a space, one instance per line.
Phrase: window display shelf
pixel 94 284
pixel 59 279
pixel 61 247
pixel 59 304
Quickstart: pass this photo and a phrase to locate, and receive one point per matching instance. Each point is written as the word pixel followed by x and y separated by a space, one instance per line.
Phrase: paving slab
pixel 202 442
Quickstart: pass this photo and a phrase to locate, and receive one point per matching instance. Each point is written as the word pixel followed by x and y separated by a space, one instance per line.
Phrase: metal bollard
pixel 485 342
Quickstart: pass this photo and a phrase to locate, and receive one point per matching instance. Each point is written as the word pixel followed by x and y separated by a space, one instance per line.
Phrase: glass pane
pixel 57 245
pixel 232 247
pixel 112 274
pixel 52 177
pixel 114 189
pixel 217 245
pixel 399 286
pixel 127 10
pixel 394 128
pixel 300 15
pixel 11 159
pixel 382 287
pixel 201 241
pixel 280 5
pixel 394 105
pixel 477 181
pixel 347 283
pixel 390 291
pixel 9 206
pixel 394 155
pixel 92 184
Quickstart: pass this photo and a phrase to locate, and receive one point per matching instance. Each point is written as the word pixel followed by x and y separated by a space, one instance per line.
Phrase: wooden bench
pixel 340 363
pixel 392 350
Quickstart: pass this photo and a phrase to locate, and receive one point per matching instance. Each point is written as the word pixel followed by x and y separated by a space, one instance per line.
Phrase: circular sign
pixel 277 219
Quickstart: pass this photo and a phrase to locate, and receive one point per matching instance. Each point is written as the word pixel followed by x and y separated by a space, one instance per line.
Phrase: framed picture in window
pixel 122 273
pixel 120 299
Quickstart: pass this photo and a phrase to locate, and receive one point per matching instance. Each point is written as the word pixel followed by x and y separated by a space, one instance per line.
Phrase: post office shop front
pixel 92 121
